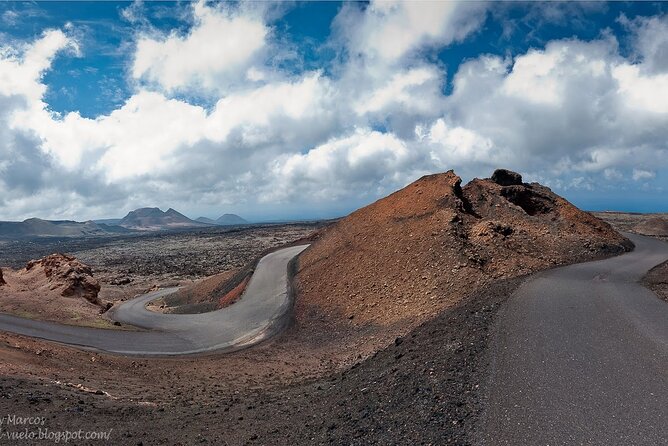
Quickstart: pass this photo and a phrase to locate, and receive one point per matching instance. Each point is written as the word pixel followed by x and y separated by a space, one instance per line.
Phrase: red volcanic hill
pixel 406 257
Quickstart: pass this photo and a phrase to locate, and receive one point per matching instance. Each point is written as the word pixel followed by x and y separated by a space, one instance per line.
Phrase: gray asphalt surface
pixel 259 313
pixel 579 356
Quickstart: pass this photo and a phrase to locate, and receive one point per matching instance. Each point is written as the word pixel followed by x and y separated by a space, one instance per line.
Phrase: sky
pixel 299 110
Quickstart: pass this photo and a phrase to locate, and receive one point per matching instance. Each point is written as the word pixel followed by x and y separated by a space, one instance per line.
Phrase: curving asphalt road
pixel 579 356
pixel 262 311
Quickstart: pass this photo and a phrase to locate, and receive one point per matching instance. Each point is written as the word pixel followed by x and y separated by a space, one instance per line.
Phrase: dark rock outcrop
pixel 2 279
pixel 504 177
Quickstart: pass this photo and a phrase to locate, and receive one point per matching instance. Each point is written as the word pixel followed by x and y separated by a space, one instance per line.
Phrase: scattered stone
pixel 121 281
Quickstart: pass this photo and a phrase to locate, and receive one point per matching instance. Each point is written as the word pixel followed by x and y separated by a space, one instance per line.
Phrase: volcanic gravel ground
pixel 422 389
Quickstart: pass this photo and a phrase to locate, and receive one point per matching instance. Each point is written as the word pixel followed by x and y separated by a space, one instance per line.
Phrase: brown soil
pixel 234 294
pixel 421 389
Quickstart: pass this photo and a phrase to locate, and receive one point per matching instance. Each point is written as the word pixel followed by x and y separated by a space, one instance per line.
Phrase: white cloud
pixel 573 106
pixel 453 146
pixel 576 114
pixel 645 93
pixel 404 89
pixel 21 69
pixel 639 174
pixel 651 42
pixel 216 53
pixel 275 110
pixel 339 167
pixel 389 30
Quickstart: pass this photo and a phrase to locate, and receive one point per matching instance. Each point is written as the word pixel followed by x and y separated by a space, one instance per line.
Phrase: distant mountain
pixel 224 220
pixel 108 221
pixel 36 227
pixel 153 219
pixel 208 221
pixel 231 219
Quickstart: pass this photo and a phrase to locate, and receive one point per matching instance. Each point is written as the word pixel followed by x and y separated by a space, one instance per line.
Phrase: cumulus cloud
pixel 639 174
pixel 387 31
pixel 364 160
pixel 216 53
pixel 575 114
pixel 572 106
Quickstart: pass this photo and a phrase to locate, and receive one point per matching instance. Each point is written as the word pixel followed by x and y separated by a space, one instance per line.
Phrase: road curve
pixel 579 356
pixel 260 312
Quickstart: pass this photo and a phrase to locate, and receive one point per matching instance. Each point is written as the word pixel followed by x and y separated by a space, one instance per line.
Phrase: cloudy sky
pixel 298 110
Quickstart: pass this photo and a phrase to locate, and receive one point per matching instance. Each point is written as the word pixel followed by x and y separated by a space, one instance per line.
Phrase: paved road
pixel 580 357
pixel 262 311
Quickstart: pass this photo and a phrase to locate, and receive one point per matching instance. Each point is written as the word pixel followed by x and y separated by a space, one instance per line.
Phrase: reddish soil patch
pixel 233 295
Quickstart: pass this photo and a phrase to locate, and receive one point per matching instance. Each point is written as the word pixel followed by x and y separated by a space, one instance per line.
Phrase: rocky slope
pixel 65 274
pixel 57 287
pixel 402 259
pixel 654 226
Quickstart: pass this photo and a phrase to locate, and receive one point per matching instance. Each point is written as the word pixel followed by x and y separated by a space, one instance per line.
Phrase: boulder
pixel 2 279
pixel 504 177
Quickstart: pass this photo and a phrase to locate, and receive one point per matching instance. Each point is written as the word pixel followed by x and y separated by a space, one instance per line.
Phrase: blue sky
pixel 306 110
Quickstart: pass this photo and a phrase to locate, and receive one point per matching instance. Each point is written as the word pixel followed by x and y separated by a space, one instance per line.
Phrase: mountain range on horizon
pixel 36 227
pixel 154 219
pixel 224 220
pixel 142 219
